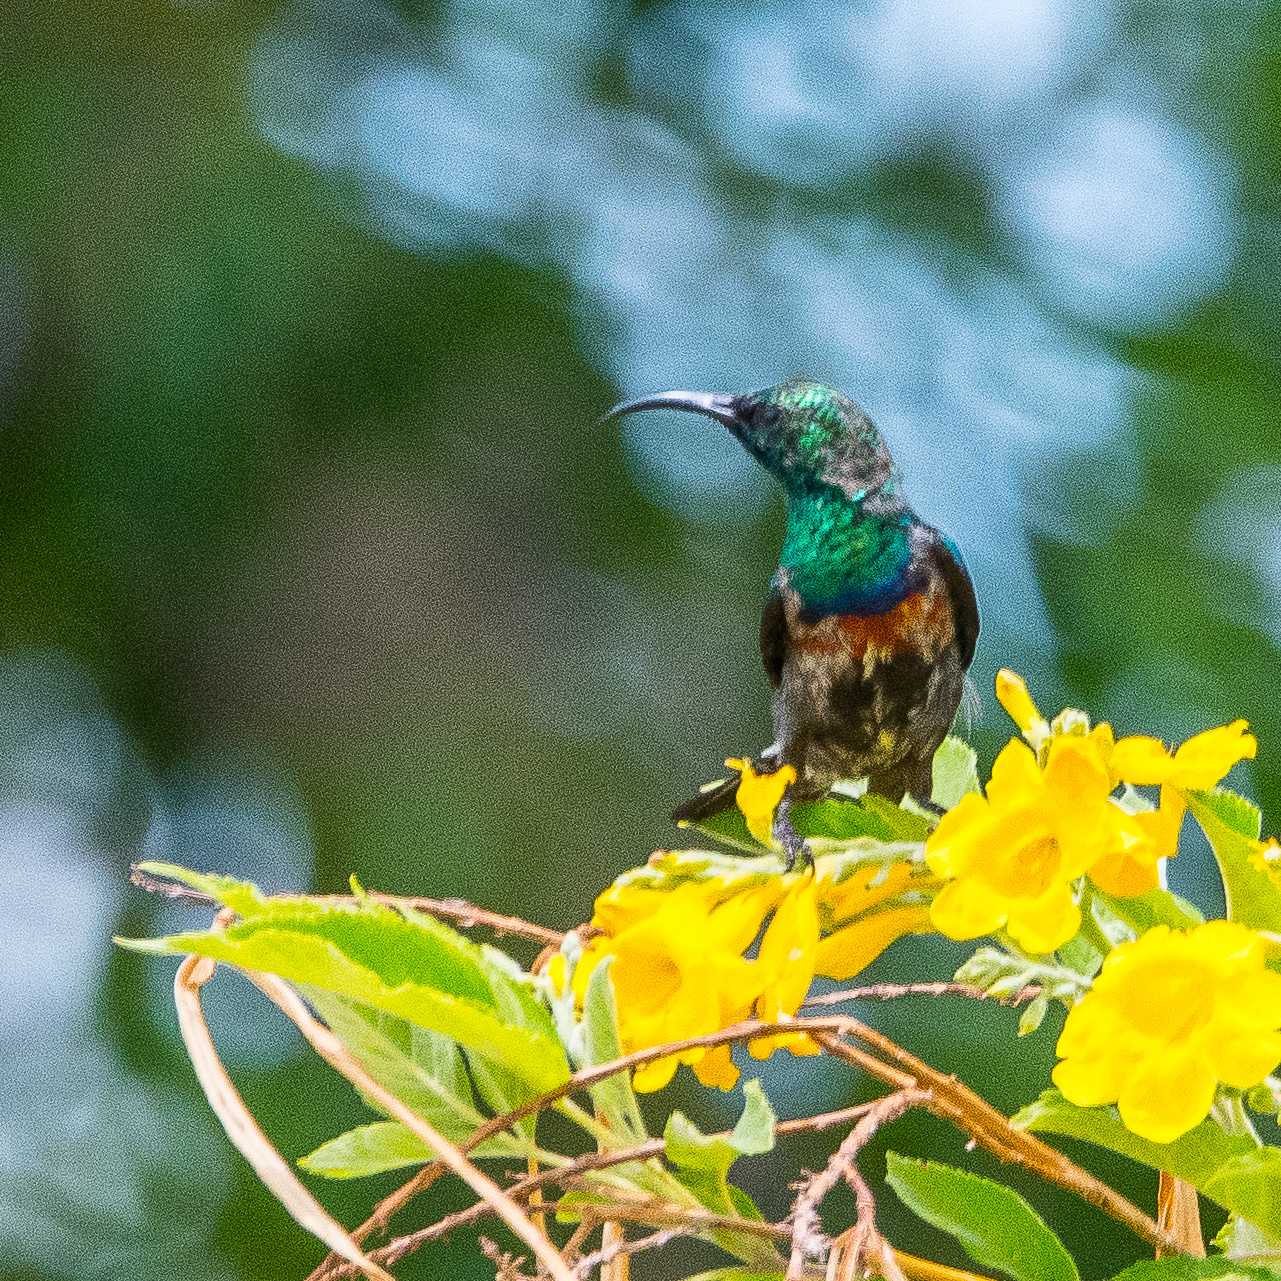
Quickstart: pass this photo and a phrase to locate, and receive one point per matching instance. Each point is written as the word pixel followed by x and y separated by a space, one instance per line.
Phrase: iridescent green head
pixel 809 436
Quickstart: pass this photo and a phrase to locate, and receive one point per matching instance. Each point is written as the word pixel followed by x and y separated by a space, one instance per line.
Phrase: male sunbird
pixel 871 620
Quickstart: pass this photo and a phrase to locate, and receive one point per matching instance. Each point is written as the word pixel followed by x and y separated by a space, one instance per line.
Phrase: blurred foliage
pixel 301 478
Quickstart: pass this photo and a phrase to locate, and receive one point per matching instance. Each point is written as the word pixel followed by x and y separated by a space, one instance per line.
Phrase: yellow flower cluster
pixel 1049 816
pixel 1168 1017
pixel 679 967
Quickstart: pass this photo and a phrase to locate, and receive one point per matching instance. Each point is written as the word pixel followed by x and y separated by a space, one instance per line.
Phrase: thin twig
pixel 641 1207
pixel 585 1164
pixel 332 1050
pixel 606 1254
pixel 953 1101
pixel 586 1226
pixel 465 915
pixel 243 1131
pixel 381 1216
pixel 866 1239
pixel 892 991
pixel 990 1129
pixel 807 1231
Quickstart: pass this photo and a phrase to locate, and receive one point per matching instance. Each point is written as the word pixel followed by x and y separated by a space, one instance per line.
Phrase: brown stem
pixel 332 1050
pixel 807 1230
pixel 990 1129
pixel 953 1101
pixel 620 1249
pixel 892 991
pixel 463 914
pixel 1179 1213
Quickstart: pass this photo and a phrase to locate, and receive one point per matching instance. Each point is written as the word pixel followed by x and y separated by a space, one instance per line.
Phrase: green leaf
pixel 1241 1239
pixel 729 827
pixel 502 1089
pixel 368 1149
pixel 1032 1017
pixel 240 896
pixel 1231 824
pixel 1185 1269
pixel 869 816
pixel 703 1161
pixel 1250 1185
pixel 737 1274
pixel 408 965
pixel 1141 913
pixel 1197 1157
pixel 753 1133
pixel 996 1226
pixel 956 772
pixel 423 1069
pixel 614 1097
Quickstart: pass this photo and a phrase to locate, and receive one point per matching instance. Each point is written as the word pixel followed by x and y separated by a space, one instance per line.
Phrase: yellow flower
pixel 758 796
pixel 1133 870
pixel 1012 694
pixel 856 894
pixel 1199 764
pixel 1012 856
pixel 875 922
pixel 1169 1016
pixel 842 955
pixel 786 961
pixel 679 971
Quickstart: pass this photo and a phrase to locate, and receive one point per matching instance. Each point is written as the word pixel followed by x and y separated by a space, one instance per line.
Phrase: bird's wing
pixel 774 639
pixel 965 608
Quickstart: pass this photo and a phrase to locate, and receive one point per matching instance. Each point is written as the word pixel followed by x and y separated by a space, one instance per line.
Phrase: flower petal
pixel 848 951
pixel 1042 924
pixel 1168 1094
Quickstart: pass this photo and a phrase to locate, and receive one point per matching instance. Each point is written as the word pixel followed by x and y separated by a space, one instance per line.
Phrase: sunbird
pixel 871 620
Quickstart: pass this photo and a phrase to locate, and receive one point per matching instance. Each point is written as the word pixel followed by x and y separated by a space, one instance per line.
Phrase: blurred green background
pixel 315 559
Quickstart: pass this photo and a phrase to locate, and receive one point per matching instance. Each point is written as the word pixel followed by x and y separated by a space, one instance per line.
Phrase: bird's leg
pixel 785 834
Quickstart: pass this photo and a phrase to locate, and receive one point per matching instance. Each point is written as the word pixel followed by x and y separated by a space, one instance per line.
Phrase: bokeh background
pixel 315 559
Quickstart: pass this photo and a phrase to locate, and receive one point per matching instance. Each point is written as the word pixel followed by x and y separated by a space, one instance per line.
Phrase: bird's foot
pixel 784 833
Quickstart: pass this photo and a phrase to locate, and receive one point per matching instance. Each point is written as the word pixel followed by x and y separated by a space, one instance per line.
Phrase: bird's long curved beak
pixel 714 404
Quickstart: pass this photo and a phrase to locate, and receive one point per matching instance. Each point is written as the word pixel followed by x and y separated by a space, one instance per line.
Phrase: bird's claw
pixel 784 832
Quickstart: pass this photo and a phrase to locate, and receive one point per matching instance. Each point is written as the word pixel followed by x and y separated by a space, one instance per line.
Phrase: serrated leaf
pixel 1196 1157
pixel 423 1069
pixel 956 772
pixel 995 1225
pixel 1231 825
pixel 1179 1268
pixel 413 967
pixel 614 1097
pixel 240 896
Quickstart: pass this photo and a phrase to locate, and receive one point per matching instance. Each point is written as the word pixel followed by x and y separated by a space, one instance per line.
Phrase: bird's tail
pixel 712 798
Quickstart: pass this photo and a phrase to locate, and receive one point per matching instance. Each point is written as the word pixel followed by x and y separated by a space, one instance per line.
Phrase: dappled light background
pixel 316 560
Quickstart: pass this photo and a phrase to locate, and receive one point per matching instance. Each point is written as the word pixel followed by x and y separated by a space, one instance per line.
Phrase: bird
pixel 871 620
